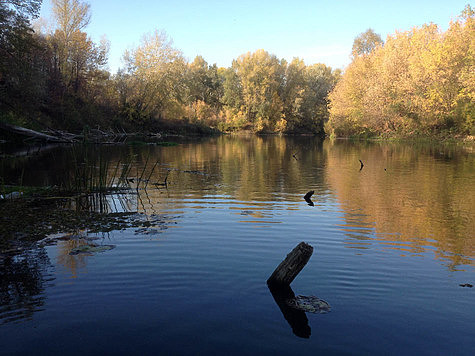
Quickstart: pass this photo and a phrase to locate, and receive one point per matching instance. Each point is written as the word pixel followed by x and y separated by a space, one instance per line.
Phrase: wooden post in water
pixel 289 268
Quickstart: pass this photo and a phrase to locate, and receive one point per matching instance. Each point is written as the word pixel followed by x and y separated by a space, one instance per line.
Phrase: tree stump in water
pixel 289 268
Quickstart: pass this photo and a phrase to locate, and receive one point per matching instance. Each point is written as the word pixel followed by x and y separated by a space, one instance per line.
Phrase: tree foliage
pixel 366 42
pixel 25 8
pixel 156 76
pixel 420 81
pixel 21 81
pixel 266 94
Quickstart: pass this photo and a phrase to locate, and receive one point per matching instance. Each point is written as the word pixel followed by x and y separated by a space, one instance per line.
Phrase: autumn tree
pixel 419 82
pixel 365 42
pixel 71 16
pixel 261 80
pixel 77 57
pixel 156 78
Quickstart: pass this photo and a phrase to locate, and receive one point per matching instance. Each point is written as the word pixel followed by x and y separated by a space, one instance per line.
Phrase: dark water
pixel 392 244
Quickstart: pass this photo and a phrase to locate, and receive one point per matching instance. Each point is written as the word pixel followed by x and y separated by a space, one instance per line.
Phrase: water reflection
pixel 296 318
pixel 67 243
pixel 23 279
pixel 406 196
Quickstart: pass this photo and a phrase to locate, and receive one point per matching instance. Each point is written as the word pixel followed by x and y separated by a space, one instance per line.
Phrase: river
pixel 394 251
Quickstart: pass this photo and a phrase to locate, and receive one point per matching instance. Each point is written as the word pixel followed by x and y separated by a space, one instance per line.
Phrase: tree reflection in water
pixel 23 279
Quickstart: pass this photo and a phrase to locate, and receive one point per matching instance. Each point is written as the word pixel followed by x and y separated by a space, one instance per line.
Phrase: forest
pixel 417 82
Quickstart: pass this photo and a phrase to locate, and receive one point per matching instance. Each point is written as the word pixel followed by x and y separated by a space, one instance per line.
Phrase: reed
pixel 92 172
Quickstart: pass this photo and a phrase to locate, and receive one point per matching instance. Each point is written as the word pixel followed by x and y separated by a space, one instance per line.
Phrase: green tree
pixel 305 96
pixel 25 8
pixel 22 81
pixel 294 94
pixel 204 82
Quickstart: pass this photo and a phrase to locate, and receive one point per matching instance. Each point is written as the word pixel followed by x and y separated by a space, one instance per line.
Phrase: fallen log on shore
pixel 22 131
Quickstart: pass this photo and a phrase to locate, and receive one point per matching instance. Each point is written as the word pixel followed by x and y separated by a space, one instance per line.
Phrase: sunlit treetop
pixel 365 42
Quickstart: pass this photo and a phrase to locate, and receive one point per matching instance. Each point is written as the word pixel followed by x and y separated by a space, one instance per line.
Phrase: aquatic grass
pixel 144 167
pixel 150 175
pixel 112 178
pixel 92 172
pixel 88 178
pixel 89 173
pixel 126 168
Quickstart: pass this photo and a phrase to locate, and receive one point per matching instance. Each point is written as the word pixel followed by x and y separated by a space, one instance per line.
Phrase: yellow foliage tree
pixel 157 76
pixel 420 81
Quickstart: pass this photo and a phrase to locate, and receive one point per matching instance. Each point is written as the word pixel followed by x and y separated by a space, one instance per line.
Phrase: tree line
pixel 419 81
pixel 57 78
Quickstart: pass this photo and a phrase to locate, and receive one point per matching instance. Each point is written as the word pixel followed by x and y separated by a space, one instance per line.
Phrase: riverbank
pixel 441 137
pixel 11 133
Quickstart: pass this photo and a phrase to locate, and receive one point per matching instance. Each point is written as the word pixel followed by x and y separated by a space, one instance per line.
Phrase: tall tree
pixel 21 79
pixel 294 92
pixel 203 82
pixel 365 42
pixel 157 76
pixel 71 16
pixel 76 56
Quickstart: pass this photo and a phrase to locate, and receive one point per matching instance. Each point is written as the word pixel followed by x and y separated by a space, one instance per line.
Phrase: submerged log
pixel 289 268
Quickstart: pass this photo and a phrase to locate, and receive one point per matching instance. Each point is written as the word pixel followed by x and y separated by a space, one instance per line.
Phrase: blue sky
pixel 316 31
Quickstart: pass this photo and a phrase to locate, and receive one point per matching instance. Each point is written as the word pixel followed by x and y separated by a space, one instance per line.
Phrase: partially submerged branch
pixel 291 266
pixel 308 199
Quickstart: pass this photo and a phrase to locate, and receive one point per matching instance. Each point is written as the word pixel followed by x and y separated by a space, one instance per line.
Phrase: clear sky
pixel 319 31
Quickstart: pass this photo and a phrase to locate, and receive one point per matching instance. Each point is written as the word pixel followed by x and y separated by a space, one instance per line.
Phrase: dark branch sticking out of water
pixel 308 199
pixel 293 307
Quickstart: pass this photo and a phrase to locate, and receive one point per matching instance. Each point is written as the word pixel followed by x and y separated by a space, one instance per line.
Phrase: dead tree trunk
pixel 30 133
pixel 289 268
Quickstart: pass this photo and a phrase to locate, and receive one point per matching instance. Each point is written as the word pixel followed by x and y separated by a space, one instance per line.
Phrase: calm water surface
pixel 392 244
